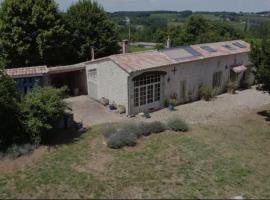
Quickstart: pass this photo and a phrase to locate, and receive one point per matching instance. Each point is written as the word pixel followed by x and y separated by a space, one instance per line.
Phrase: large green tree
pixel 32 33
pixel 91 28
pixel 10 127
pixel 260 57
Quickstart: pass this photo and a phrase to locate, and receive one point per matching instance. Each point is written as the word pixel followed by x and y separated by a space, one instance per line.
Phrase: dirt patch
pixel 11 166
pixel 99 160
pixel 97 165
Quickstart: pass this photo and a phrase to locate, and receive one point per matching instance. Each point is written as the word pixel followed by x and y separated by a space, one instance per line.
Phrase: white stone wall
pixel 112 82
pixel 194 73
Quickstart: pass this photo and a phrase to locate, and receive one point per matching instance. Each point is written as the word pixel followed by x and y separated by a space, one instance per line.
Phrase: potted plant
pixel 172 104
pixel 232 87
pixel 166 103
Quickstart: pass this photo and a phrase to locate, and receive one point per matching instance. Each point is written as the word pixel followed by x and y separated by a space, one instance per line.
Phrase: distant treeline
pixel 156 26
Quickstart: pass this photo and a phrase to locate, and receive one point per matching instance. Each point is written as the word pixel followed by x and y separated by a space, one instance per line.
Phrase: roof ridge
pixel 132 53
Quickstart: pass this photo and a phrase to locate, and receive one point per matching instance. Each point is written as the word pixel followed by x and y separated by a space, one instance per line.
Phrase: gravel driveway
pixel 224 107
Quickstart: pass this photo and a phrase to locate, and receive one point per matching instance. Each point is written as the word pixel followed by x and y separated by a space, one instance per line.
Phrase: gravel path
pixel 224 107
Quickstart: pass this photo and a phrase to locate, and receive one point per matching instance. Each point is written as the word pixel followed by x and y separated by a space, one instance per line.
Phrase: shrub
pixel 207 93
pixel 120 135
pixel 173 102
pixel 232 87
pixel 16 151
pixel 146 129
pixel 166 103
pixel 157 127
pixel 108 130
pixel 43 109
pixel 121 139
pixel 178 125
pixel 121 109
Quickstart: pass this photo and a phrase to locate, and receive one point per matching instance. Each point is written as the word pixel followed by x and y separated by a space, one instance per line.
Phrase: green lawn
pixel 133 49
pixel 221 161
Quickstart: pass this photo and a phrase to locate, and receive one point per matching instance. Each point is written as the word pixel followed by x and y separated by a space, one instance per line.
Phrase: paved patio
pixel 91 112
pixel 224 107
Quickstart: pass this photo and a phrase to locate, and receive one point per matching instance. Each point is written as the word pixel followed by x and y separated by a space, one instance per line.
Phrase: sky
pixel 179 5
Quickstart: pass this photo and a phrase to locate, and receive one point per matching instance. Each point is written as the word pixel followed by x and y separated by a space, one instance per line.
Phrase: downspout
pixel 128 85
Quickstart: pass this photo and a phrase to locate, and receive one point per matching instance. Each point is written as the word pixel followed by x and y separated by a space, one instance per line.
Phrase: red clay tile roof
pixel 27 71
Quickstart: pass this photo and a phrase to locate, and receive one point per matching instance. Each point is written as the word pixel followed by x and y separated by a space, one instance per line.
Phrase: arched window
pixel 147 88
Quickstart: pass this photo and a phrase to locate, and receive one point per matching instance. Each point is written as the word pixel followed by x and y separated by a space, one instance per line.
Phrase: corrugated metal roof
pixel 140 61
pixel 27 71
pixel 133 62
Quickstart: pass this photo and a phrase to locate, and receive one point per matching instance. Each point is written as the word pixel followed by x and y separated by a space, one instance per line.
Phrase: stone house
pixel 143 81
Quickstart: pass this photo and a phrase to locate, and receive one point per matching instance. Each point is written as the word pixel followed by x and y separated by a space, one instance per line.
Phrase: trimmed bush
pixel 120 135
pixel 108 130
pixel 177 125
pixel 121 139
pixel 157 127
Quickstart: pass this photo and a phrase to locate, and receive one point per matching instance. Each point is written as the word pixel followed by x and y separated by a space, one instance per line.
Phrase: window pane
pixel 142 96
pixel 157 92
pixel 92 74
pixel 150 96
pixel 136 97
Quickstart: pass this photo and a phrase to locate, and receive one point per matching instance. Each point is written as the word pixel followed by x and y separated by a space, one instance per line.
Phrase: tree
pixel 91 27
pixel 195 27
pixel 10 126
pixel 260 57
pixel 42 109
pixel 32 33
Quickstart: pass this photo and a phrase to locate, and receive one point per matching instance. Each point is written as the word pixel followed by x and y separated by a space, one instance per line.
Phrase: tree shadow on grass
pixel 65 136
pixel 265 114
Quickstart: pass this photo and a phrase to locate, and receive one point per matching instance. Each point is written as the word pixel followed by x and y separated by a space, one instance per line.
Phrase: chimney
pixel 125 46
pixel 92 53
pixel 168 45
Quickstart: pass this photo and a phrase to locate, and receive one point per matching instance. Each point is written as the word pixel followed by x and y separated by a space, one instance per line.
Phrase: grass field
pixel 133 49
pixel 221 161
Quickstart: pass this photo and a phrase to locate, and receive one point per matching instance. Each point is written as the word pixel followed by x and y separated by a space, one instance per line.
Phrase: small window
pixel 217 77
pixel 92 74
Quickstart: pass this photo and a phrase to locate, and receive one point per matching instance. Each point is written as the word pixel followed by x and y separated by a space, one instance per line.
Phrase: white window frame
pixel 92 74
pixel 147 90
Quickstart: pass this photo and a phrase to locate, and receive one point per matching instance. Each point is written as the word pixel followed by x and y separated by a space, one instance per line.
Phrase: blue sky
pixel 196 5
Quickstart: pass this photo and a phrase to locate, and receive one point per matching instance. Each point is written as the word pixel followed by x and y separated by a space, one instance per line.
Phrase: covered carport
pixel 71 76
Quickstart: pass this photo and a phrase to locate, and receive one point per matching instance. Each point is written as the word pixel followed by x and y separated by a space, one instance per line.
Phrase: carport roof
pixel 132 62
pixel 66 68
